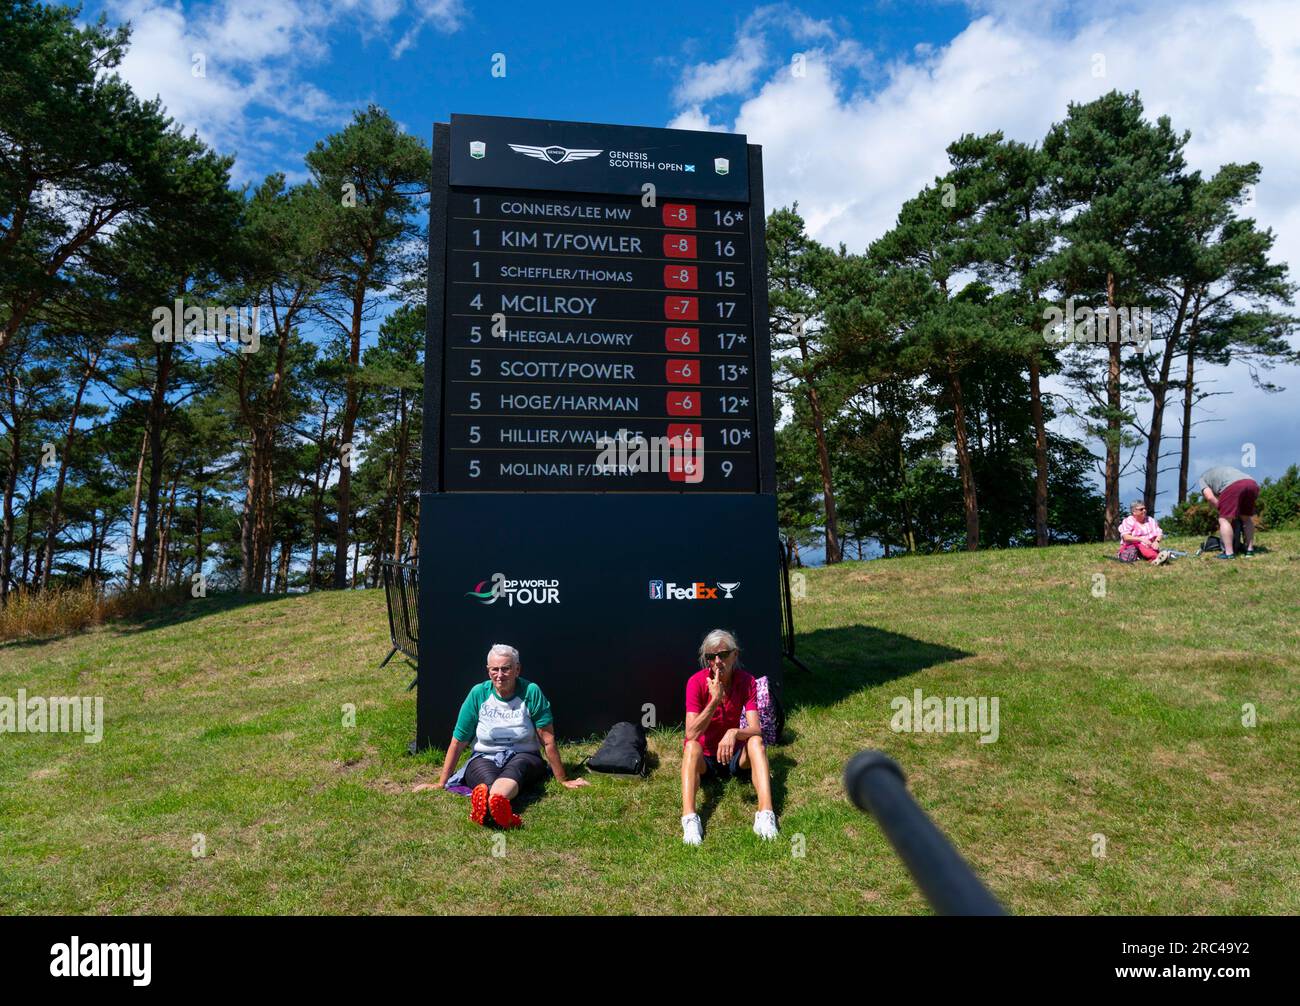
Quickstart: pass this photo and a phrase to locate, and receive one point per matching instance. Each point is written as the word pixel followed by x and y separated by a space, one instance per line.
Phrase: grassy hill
pixel 1120 716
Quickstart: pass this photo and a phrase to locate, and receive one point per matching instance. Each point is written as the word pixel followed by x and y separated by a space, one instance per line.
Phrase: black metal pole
pixel 787 610
pixel 877 786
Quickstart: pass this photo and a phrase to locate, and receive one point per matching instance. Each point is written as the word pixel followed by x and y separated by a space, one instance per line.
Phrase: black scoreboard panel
pixel 598 481
pixel 594 343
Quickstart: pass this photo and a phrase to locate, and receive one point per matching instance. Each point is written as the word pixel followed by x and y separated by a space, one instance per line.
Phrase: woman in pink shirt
pixel 1142 532
pixel 719 697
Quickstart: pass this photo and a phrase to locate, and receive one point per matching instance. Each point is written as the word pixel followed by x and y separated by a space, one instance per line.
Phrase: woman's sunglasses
pixel 724 654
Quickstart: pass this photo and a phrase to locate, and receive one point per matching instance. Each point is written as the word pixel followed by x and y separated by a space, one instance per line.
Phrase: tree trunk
pixel 413 550
pixel 11 487
pixel 90 549
pixel 56 503
pixel 1189 391
pixel 350 410
pixel 1111 530
pixel 164 542
pixel 262 512
pixel 318 492
pixel 103 543
pixel 157 406
pixel 403 435
pixel 135 513
pixel 828 487
pixel 969 501
pixel 1040 451
pixel 198 525
pixel 282 575
pixel 31 519
pixel 1159 397
pixel 246 580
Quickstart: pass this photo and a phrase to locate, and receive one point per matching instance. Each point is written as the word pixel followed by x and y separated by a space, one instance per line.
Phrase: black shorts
pixel 713 769
pixel 524 768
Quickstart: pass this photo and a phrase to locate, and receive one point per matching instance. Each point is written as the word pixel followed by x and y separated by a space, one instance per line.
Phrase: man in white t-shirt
pixel 509 722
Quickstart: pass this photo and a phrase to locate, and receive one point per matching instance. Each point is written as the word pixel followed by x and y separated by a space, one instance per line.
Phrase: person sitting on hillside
pixel 510 722
pixel 1140 535
pixel 717 697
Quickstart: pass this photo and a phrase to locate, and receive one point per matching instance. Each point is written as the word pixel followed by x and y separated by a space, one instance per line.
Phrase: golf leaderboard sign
pixel 598 476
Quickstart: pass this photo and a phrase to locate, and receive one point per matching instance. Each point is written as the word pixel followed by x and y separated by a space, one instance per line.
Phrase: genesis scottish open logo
pixel 515 591
pixel 554 154
pixel 697 591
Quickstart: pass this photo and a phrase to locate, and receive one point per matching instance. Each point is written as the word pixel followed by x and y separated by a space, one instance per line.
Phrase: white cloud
pixel 737 72
pixel 1228 72
pixel 445 15
pixel 239 72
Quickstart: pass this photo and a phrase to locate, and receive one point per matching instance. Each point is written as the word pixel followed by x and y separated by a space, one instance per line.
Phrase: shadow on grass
pixel 848 659
pixel 158 618
pixel 714 789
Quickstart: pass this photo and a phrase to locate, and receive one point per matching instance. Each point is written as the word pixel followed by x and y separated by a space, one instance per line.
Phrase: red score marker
pixel 679 215
pixel 679 245
pixel 682 340
pixel 681 277
pixel 683 403
pixel 682 371
pixel 682 308
pixel 685 468
pixel 689 433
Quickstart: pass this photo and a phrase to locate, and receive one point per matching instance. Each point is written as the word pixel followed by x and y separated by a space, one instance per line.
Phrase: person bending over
pixel 1233 493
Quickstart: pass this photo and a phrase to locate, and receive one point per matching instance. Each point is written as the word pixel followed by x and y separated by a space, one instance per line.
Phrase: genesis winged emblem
pixel 553 154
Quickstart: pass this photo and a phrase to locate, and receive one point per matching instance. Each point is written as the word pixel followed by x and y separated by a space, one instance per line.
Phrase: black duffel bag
pixel 623 750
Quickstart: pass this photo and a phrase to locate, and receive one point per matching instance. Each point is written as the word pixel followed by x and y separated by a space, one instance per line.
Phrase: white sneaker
pixel 692 829
pixel 765 824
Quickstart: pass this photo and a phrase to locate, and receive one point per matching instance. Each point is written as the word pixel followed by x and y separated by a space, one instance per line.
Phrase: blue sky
pixel 424 61
pixel 853 103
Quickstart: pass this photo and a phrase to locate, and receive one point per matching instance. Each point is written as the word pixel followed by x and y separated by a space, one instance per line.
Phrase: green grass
pixel 1119 715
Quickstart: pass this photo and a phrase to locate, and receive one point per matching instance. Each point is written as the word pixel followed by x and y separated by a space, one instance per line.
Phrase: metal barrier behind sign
pixel 402 595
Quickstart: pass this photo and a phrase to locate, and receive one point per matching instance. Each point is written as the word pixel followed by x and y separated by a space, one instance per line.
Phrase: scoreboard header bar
pixel 499 152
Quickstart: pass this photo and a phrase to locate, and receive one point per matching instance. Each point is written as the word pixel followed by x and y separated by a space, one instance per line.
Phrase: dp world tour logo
pixel 499 586
pixel 553 154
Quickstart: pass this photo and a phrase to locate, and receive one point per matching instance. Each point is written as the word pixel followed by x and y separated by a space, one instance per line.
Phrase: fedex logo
pixel 697 591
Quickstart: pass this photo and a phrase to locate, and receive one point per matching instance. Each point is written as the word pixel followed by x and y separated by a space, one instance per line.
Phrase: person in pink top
pixel 719 698
pixel 1140 531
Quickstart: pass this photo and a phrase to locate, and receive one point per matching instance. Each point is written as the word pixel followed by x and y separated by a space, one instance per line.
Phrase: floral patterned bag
pixel 771 715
